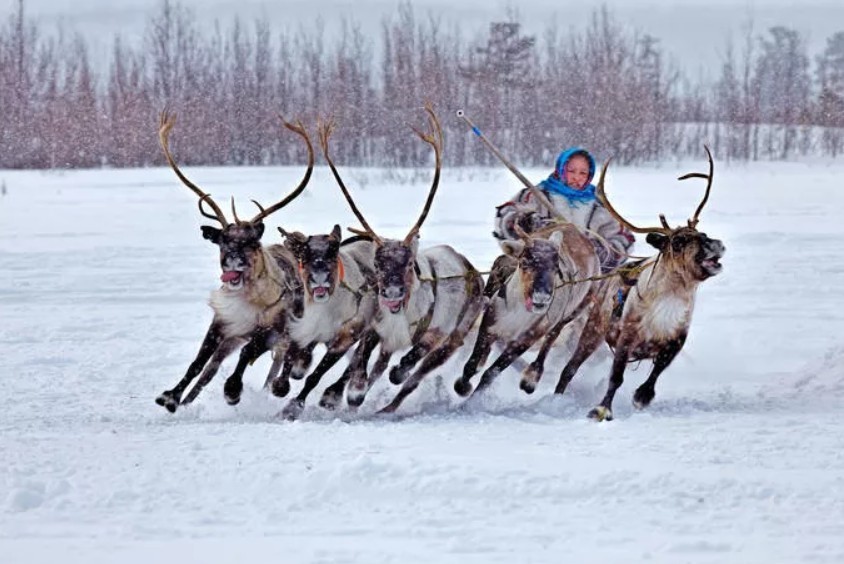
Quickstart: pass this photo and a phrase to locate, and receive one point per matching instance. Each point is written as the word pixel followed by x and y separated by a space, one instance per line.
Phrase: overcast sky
pixel 693 31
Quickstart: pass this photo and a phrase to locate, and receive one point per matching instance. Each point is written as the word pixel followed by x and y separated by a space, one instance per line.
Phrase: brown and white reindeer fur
pixel 428 300
pixel 259 284
pixel 339 305
pixel 549 287
pixel 654 319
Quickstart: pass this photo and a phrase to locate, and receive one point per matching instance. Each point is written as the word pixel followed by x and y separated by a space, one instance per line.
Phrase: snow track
pixel 739 458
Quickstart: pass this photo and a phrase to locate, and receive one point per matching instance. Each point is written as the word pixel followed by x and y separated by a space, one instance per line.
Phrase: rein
pixel 618 271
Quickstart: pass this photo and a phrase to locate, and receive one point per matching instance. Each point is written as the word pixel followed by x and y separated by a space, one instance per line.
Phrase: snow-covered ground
pixel 739 459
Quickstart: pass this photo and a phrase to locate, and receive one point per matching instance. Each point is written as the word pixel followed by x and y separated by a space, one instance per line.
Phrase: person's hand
pixel 530 221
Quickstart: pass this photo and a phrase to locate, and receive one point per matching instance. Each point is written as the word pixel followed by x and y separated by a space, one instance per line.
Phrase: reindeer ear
pixel 293 235
pixel 211 233
pixel 556 238
pixel 259 229
pixel 336 233
pixel 512 247
pixel 414 244
pixel 656 240
pixel 294 241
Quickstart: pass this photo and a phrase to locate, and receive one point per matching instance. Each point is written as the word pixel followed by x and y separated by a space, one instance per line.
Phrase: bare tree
pixel 830 78
pixel 783 76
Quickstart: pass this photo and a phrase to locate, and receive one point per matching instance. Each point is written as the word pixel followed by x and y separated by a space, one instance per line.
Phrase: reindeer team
pixel 368 292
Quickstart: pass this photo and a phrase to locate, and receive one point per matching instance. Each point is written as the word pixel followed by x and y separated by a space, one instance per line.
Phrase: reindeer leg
pixel 213 337
pixel 333 394
pixel 423 346
pixel 533 373
pixel 588 342
pixel 355 374
pixel 257 345
pixel 378 369
pixel 275 370
pixel 336 349
pixel 431 362
pixel 356 330
pixel 586 346
pixel 280 385
pixel 645 393
pixel 223 351
pixel 603 412
pixel 480 352
pixel 475 304
pixel 513 350
pixel 302 362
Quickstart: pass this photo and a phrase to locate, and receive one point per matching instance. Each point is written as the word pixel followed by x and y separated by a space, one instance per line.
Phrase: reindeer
pixel 427 300
pixel 549 287
pixel 339 305
pixel 653 321
pixel 259 284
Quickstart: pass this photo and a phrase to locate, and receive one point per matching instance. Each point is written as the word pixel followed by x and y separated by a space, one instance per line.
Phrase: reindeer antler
pixel 599 192
pixel 299 129
pixel 693 221
pixel 435 140
pixel 166 121
pixel 326 128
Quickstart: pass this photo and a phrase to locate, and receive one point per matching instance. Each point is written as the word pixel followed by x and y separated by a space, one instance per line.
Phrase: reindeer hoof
pixel 354 398
pixel 232 390
pixel 298 372
pixel 168 400
pixel 356 389
pixel 280 387
pixel 643 397
pixel 529 381
pixel 600 413
pixel 397 376
pixel 330 399
pixel 463 387
pixel 293 410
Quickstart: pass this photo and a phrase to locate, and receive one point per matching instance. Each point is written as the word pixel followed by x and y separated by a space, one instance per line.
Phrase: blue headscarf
pixel 555 183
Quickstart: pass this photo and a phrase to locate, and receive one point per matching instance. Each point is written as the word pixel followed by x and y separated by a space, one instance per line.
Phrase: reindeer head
pixel 240 251
pixel 691 250
pixel 395 261
pixel 682 249
pixel 320 267
pixel 241 258
pixel 538 267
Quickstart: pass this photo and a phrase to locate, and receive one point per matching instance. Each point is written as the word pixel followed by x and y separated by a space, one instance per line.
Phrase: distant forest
pixel 605 87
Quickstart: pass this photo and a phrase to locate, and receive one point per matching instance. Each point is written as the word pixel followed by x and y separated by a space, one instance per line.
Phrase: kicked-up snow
pixel 739 459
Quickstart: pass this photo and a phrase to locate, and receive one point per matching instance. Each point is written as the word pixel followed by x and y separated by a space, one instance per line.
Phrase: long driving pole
pixel 537 193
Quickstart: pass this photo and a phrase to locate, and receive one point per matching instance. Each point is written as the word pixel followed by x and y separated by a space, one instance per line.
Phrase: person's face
pixel 577 172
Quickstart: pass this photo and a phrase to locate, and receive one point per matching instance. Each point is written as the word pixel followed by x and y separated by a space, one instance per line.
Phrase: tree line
pixel 605 87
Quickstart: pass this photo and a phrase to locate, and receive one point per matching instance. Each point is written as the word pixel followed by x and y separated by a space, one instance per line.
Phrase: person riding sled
pixel 570 191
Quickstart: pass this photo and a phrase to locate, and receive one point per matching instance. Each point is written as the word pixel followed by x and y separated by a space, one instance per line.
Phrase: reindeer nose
pixel 393 293
pixel 319 277
pixel 541 299
pixel 233 262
